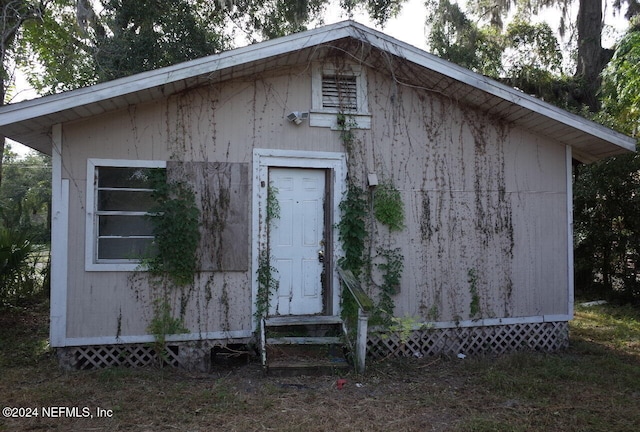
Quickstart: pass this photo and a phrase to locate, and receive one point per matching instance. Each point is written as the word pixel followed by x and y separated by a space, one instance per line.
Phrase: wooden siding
pixel 480 197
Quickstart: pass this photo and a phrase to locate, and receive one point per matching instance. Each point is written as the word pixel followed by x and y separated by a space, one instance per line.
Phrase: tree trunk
pixel 591 56
pixel 2 138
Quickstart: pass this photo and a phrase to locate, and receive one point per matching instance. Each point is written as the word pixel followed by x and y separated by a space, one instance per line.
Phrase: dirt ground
pixel 592 386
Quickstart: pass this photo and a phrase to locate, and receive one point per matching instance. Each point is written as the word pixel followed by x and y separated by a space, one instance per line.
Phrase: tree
pixel 620 92
pixel 591 57
pixel 75 46
pixel 607 193
pixel 13 15
pixel 25 195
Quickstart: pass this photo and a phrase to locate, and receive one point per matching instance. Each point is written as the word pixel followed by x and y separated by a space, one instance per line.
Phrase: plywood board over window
pixel 222 196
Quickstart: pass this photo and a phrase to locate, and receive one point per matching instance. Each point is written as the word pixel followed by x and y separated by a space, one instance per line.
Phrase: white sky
pixel 409 26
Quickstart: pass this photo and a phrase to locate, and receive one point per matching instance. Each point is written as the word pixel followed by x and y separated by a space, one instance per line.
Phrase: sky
pixel 409 26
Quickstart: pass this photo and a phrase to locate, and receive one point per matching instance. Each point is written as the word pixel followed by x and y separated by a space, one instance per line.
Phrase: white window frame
pixel 328 117
pixel 91 235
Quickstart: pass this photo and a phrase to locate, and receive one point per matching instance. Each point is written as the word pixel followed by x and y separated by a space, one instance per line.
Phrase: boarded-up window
pixel 222 195
pixel 339 92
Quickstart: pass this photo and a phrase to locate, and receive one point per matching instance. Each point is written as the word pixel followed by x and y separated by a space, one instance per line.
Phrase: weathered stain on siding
pixel 221 190
pixel 477 194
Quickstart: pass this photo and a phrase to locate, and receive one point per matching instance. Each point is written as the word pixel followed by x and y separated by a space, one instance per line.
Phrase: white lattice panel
pixel 133 355
pixel 192 355
pixel 500 339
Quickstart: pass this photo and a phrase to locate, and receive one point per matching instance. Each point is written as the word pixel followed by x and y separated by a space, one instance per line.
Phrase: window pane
pixel 126 177
pixel 125 248
pixel 124 225
pixel 124 200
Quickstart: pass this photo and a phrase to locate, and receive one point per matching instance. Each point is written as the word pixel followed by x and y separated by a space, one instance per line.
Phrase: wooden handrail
pixel 364 301
pixel 365 305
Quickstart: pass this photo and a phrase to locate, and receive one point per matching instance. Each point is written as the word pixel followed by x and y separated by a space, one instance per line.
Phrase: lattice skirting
pixel 197 355
pixel 498 339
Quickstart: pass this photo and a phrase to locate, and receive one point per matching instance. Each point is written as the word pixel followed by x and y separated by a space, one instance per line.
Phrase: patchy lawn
pixel 593 386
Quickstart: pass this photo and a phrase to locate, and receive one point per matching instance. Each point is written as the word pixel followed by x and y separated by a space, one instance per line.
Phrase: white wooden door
pixel 296 240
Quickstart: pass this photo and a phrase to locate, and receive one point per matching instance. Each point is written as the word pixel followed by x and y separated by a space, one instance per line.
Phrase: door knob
pixel 321 256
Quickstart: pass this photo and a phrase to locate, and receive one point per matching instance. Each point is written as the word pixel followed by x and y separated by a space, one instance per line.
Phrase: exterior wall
pixel 480 197
pixel 512 234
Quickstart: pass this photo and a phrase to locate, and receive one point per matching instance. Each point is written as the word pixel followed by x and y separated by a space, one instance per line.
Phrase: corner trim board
pixel 59 242
pixel 570 257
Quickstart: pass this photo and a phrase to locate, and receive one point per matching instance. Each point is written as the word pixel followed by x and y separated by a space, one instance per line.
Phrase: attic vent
pixel 339 92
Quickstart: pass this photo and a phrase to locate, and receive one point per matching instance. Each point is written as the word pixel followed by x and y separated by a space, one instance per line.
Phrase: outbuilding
pixel 286 147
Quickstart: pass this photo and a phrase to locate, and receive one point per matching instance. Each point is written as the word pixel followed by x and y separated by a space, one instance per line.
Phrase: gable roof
pixel 30 122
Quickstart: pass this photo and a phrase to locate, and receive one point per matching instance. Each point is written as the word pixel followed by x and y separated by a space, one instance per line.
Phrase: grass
pixel 592 386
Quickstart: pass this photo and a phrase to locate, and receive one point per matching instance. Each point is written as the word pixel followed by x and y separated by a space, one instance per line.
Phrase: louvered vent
pixel 339 92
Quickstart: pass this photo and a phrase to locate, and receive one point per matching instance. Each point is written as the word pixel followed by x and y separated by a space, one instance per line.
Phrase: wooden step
pixel 310 367
pixel 304 340
pixel 303 345
pixel 294 320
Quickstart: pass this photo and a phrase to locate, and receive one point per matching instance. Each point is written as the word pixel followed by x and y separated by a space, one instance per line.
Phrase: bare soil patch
pixel 594 385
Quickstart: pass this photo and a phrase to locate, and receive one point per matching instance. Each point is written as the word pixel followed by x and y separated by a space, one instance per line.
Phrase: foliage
pixel 176 229
pixel 76 43
pixel 345 125
pixel 173 261
pixel 267 282
pixel 621 81
pixel 140 35
pixel 388 207
pixel 391 267
pixel 25 195
pixel 273 205
pixel 606 227
pixel 474 305
pixel 20 279
pixel 163 324
pixel 404 328
pixel 607 193
pixel 352 229
pixel 455 37
pixel 58 44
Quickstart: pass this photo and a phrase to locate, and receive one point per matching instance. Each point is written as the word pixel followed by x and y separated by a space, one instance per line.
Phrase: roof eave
pixel 158 83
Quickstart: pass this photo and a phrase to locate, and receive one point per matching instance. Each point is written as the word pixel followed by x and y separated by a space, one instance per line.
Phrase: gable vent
pixel 339 92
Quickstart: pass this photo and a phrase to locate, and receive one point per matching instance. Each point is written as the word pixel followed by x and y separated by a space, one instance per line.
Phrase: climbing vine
pixel 175 219
pixel 267 283
pixel 387 206
pixel 352 229
pixel 474 305
pixel 391 268
pixel 346 124
pixel 173 261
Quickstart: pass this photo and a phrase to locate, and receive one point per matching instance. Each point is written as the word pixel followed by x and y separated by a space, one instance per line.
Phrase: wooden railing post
pixel 361 340
pixel 365 305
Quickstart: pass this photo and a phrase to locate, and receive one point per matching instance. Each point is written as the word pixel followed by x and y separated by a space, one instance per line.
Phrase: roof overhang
pixel 30 122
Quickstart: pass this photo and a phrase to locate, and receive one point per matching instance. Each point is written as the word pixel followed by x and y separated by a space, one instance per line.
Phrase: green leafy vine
pixel 388 207
pixel 474 306
pixel 345 126
pixel 176 220
pixel 173 261
pixel 267 283
pixel 391 268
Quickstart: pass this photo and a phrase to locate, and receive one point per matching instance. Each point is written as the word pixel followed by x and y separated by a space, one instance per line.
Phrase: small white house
pixel 483 171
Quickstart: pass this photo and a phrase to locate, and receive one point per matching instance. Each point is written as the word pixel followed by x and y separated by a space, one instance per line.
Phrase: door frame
pixel 335 165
